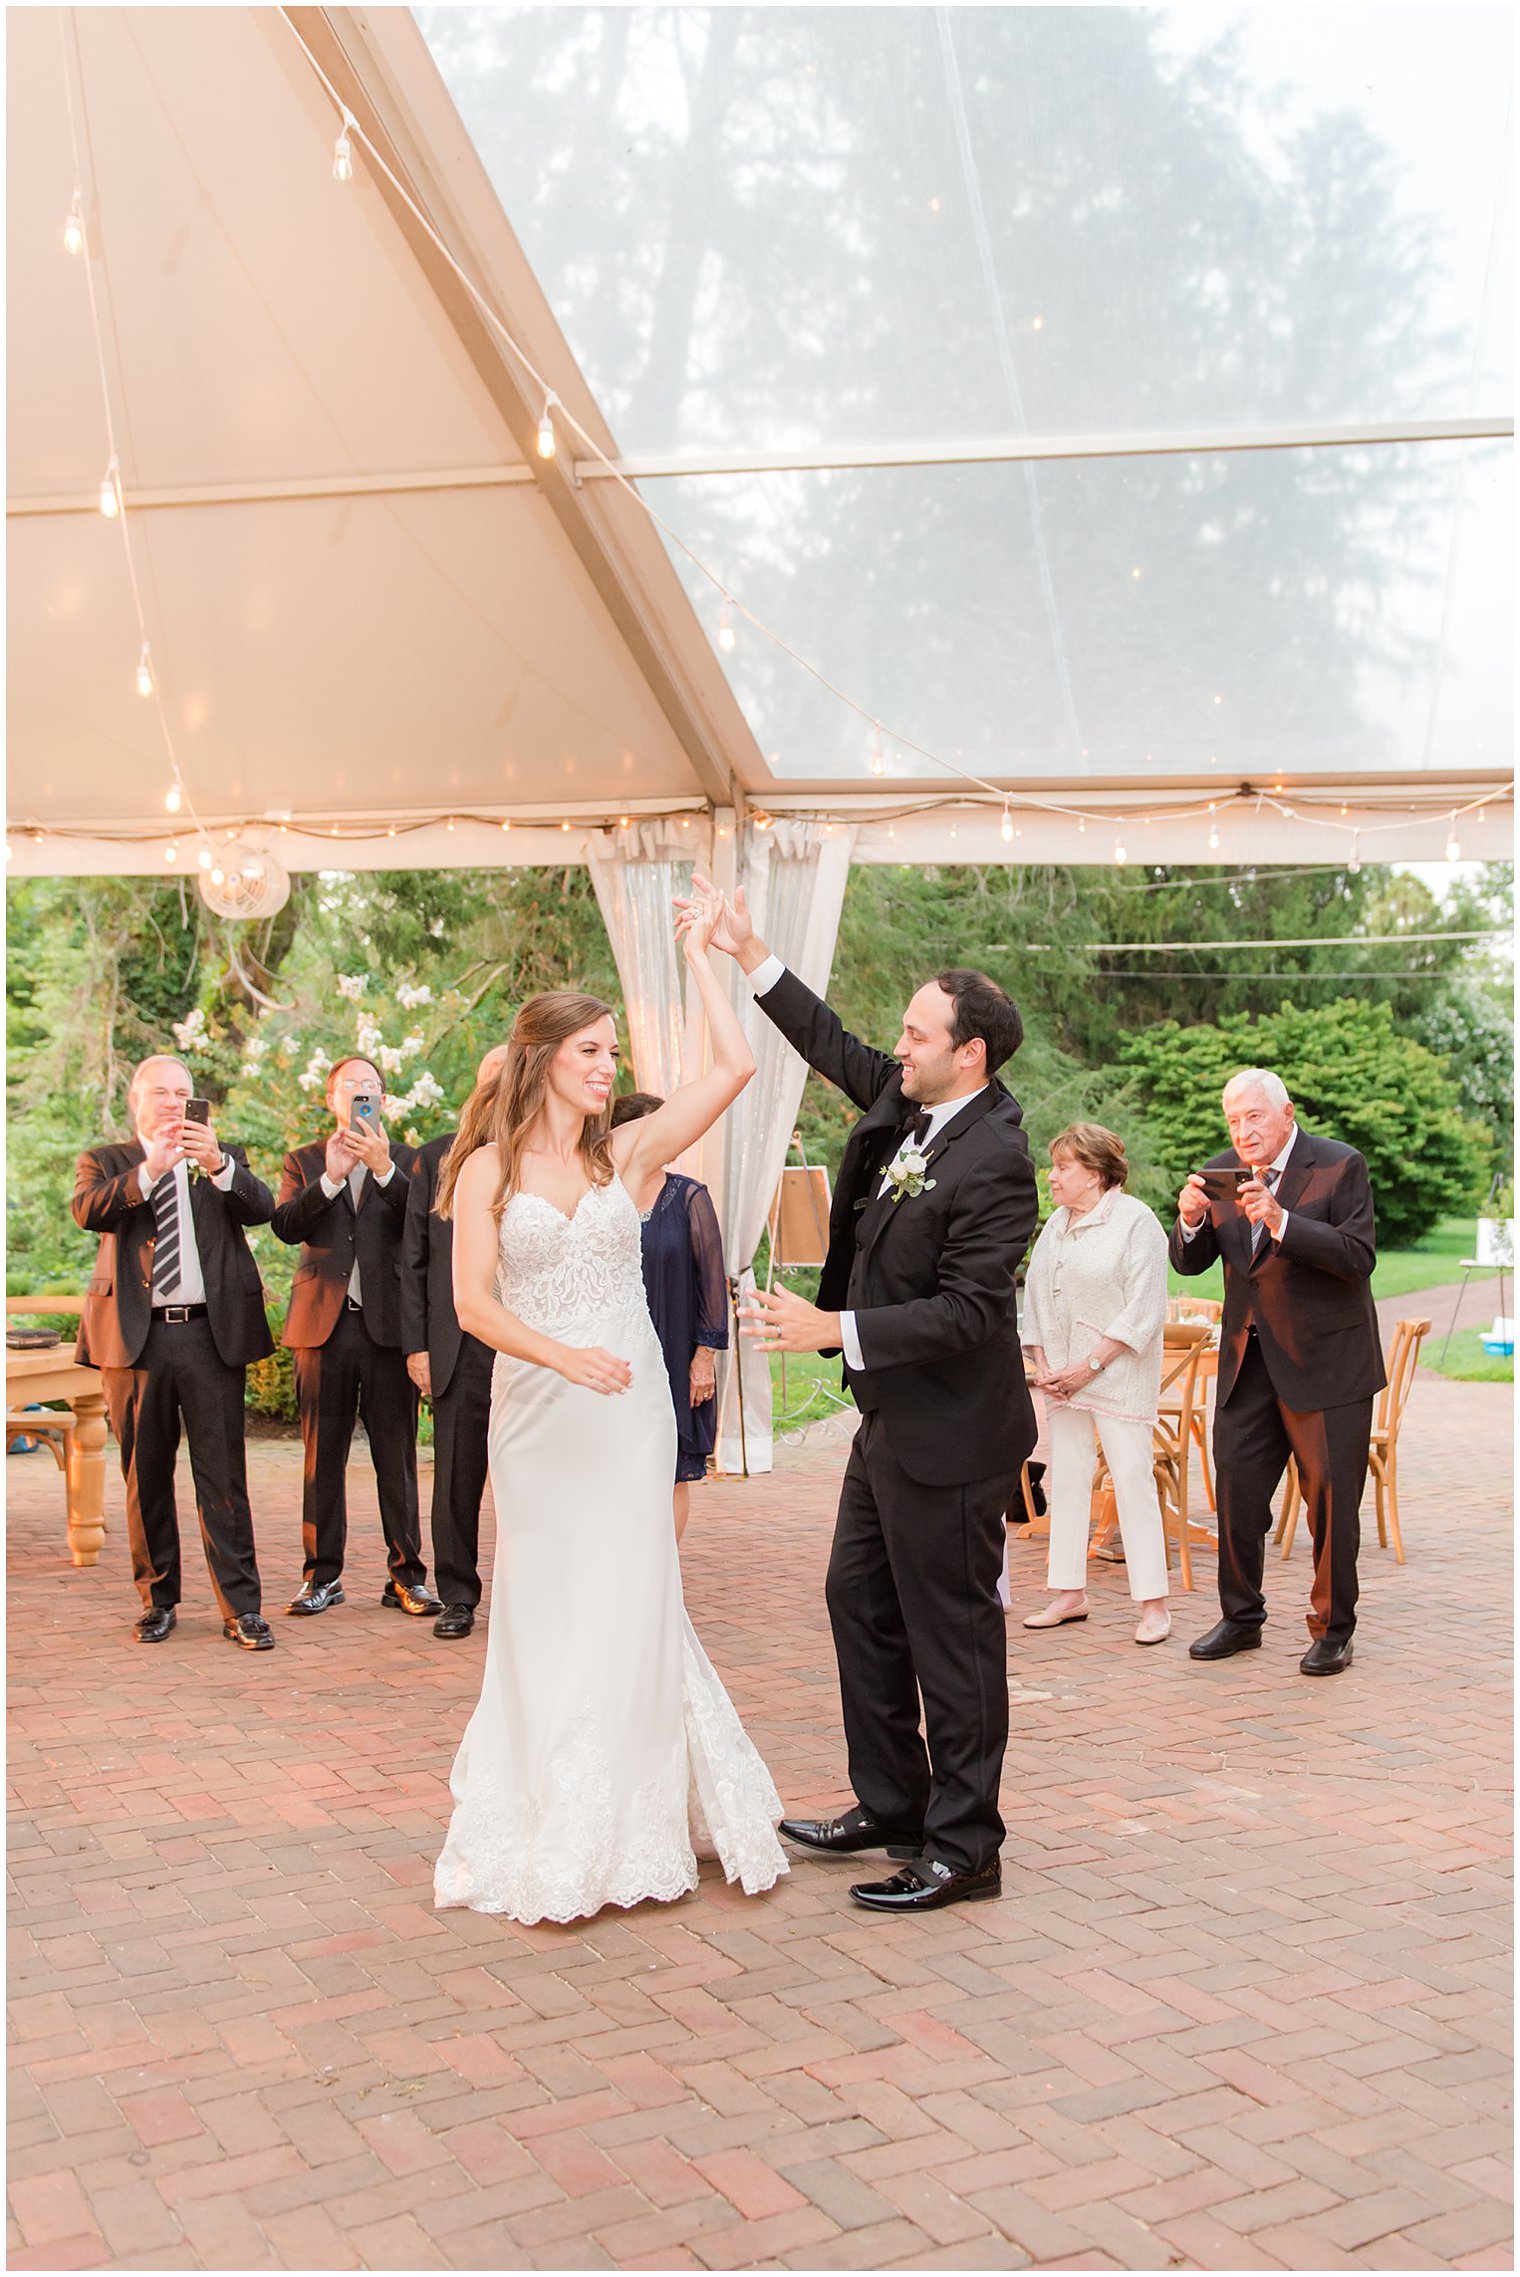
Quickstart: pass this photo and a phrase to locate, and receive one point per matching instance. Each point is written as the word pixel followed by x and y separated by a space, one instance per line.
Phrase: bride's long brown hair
pixel 502 1113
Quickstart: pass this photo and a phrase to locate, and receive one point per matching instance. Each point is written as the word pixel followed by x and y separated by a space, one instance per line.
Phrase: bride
pixel 603 1747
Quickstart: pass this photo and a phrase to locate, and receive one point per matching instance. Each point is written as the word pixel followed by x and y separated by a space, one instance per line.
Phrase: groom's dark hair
pixel 982 1009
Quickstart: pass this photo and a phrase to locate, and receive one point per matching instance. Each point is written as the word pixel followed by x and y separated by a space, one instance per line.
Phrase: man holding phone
pixel 1290 1215
pixel 173 1315
pixel 344 1200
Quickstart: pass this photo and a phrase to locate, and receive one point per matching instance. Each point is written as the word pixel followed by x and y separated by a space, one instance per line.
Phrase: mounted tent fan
pixel 244 881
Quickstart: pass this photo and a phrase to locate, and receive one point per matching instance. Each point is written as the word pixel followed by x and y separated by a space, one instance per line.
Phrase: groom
pixel 934 1208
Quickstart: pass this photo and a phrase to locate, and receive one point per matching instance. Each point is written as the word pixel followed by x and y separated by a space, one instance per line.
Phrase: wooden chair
pixel 1178 1334
pixel 1171 1441
pixel 52 1425
pixel 1383 1454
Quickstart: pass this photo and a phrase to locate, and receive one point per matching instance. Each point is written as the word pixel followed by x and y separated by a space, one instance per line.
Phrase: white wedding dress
pixel 603 1748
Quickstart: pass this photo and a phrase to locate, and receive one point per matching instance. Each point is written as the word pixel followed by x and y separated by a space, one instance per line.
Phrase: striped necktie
pixel 1260 1236
pixel 166 1240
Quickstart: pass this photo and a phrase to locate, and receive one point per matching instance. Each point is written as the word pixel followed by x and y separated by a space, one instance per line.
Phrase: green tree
pixel 1352 1075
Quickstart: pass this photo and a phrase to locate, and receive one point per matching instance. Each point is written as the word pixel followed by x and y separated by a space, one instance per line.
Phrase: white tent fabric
pixel 794 879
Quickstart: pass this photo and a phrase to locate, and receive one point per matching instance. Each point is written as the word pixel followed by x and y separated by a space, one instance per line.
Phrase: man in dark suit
pixel 1299 1355
pixel 934 1208
pixel 344 1200
pixel 173 1315
pixel 454 1371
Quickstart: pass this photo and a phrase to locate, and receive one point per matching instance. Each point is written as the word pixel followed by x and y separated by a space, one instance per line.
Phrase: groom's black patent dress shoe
pixel 927 1884
pixel 455 1621
pixel 1326 1659
pixel 856 1830
pixel 1222 1639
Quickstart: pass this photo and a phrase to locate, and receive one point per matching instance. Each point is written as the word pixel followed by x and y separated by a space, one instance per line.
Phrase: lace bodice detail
pixel 559 1274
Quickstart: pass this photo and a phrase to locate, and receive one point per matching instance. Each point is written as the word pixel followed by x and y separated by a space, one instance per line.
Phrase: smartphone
pixel 197 1110
pixel 1224 1176
pixel 364 1113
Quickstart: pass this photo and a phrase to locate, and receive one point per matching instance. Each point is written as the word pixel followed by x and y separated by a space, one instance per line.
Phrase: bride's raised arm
pixel 648 1144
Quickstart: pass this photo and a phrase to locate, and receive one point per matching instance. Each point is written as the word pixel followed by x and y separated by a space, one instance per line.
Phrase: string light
pixel 343 151
pixel 1005 828
pixel 506 823
pixel 174 796
pixel 564 826
pixel 878 756
pixel 171 851
pixel 1213 838
pixel 1453 850
pixel 73 228
pixel 218 874
pixel 204 857
pixel 548 442
pixel 1121 852
pixel 1355 863
pixel 625 822
pixel 145 671
pixel 449 824
pixel 726 627
pixel 110 490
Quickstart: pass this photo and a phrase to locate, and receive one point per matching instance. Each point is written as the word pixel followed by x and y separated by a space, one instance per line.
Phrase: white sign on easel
pixel 1496 1243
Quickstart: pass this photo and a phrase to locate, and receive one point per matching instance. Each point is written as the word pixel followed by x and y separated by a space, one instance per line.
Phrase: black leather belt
pixel 173 1315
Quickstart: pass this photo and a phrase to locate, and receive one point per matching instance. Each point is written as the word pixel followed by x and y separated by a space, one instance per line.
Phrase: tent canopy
pixel 1110 406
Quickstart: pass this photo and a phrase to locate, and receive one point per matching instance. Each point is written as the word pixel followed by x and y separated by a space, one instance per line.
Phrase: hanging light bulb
pixel 506 824
pixel 548 442
pixel 1213 838
pixel 1121 852
pixel 1081 826
pixel 145 672
pixel 171 851
pixel 1355 863
pixel 218 874
pixel 343 151
pixel 450 823
pixel 110 490
pixel 73 228
pixel 1005 828
pixel 204 857
pixel 1453 850
pixel 878 756
pixel 726 627
pixel 173 796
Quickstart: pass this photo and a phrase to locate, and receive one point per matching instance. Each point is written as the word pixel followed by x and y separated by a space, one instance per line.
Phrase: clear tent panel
pixel 791 227
pixel 1324 611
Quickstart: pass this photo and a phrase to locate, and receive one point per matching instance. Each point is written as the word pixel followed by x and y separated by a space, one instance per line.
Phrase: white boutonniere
pixel 906 1175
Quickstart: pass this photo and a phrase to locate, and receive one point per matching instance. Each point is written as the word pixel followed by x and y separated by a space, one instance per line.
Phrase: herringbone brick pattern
pixel 1243 2004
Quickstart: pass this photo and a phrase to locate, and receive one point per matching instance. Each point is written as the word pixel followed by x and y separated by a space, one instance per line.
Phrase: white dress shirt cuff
pixel 223 1178
pixel 1282 1227
pixel 331 1187
pixel 390 1172
pixel 1191 1232
pixel 849 1337
pixel 765 976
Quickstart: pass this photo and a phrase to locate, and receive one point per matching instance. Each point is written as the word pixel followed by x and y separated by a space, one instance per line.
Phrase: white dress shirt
pixel 333 1187
pixel 763 978
pixel 1275 1169
pixel 190 1286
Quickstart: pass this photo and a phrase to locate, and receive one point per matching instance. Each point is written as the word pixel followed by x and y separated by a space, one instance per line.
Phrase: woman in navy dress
pixel 688 1303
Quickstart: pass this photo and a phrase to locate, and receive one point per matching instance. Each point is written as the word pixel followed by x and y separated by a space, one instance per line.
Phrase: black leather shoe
pixel 1325 1659
pixel 251 1631
pixel 418 1602
pixel 316 1596
pixel 856 1830
pixel 153 1627
pixel 455 1621
pixel 926 1884
pixel 1222 1639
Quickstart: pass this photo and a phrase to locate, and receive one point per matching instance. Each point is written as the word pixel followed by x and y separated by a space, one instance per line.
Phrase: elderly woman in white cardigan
pixel 1094 1318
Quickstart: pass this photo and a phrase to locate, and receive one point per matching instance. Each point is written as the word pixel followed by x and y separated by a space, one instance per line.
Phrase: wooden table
pixel 56 1374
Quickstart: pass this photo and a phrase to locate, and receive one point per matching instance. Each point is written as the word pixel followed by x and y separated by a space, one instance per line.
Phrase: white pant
pixel 1127 1449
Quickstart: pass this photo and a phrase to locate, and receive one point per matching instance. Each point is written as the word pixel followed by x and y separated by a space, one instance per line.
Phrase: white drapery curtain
pixel 636 873
pixel 793 875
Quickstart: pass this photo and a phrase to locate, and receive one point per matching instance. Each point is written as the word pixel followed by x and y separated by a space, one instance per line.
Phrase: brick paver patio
pixel 1244 2003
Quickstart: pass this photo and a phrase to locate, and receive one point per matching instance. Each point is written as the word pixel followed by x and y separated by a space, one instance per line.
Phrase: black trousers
pixel 461 1417
pixel 181 1379
pixel 1254 1434
pixel 912 1596
pixel 348 1377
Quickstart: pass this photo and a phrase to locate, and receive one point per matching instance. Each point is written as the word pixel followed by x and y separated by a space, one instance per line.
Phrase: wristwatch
pixel 1096 1365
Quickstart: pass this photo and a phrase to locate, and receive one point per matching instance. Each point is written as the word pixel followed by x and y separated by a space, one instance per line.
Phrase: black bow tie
pixel 916 1128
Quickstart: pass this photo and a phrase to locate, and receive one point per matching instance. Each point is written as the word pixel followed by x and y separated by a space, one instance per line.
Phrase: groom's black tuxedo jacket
pixel 930 1279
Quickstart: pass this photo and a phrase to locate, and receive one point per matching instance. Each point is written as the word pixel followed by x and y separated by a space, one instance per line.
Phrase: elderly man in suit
pixel 934 1208
pixel 1290 1215
pixel 173 1315
pixel 343 1199
pixel 454 1371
